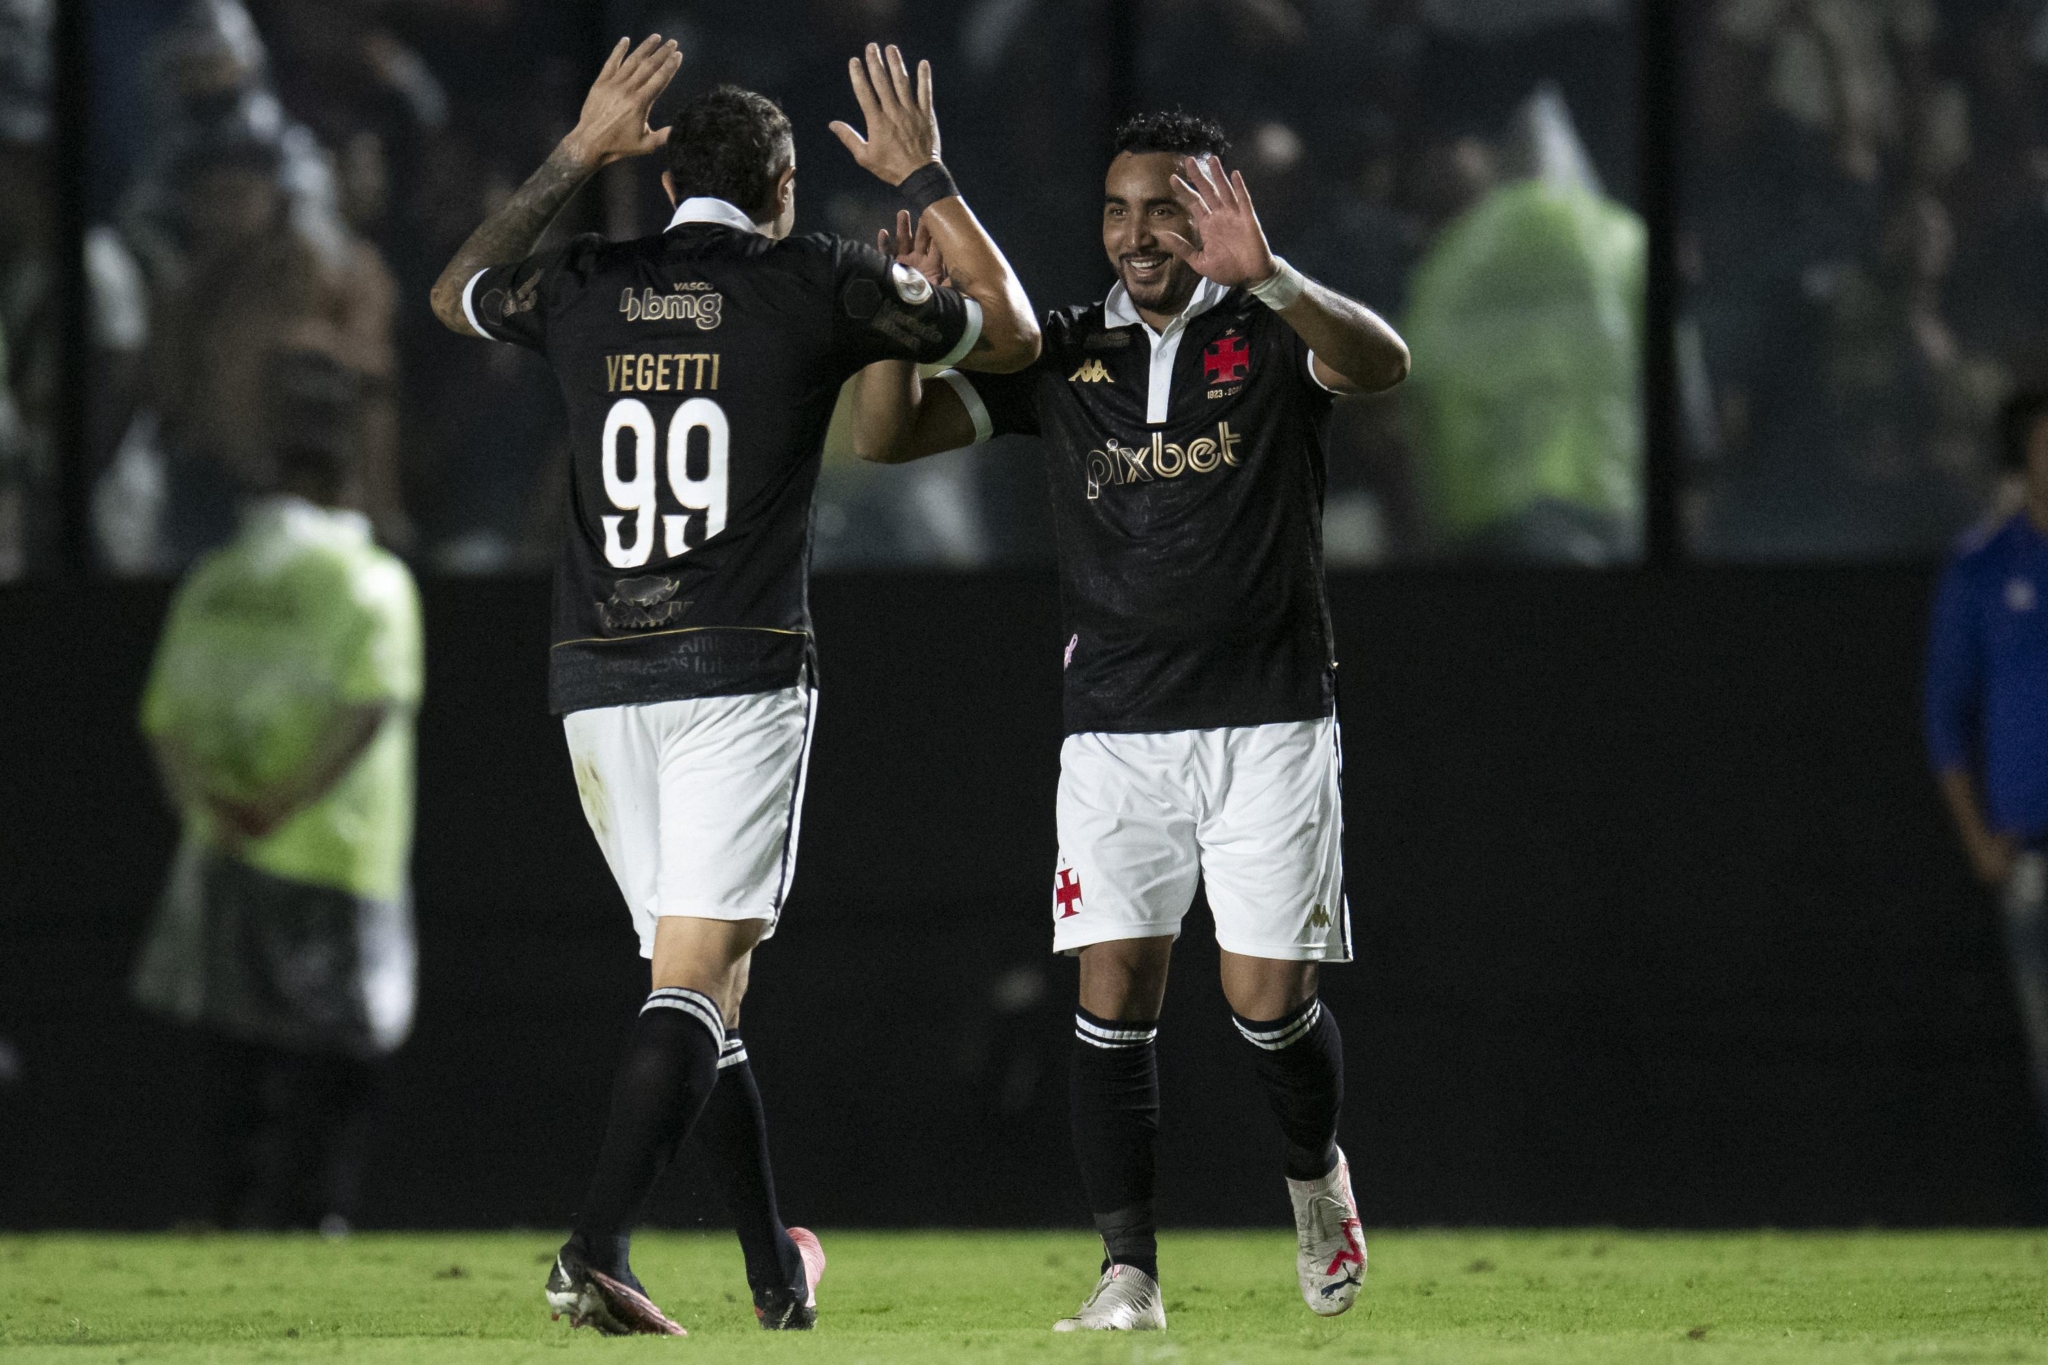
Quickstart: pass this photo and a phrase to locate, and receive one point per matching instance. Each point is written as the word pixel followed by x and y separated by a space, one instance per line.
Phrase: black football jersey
pixel 700 368
pixel 1187 490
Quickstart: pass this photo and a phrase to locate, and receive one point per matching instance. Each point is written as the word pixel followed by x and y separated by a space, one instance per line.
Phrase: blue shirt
pixel 1986 707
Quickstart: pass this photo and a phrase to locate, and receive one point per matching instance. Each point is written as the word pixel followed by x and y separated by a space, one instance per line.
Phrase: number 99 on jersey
pixel 629 437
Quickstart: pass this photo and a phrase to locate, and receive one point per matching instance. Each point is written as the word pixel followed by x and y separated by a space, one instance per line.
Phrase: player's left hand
pixel 903 133
pixel 1229 246
pixel 914 249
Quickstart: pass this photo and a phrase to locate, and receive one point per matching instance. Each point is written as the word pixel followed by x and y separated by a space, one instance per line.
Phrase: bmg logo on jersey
pixel 706 309
pixel 1122 464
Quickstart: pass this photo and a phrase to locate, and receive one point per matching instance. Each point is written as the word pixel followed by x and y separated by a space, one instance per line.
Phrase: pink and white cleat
pixel 1330 1244
pixel 616 1307
pixel 780 1310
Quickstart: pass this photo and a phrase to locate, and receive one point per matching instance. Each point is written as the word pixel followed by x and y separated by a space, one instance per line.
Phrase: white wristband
pixel 1281 288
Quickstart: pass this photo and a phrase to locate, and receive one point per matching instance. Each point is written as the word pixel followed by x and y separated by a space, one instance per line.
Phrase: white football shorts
pixel 697 803
pixel 1255 812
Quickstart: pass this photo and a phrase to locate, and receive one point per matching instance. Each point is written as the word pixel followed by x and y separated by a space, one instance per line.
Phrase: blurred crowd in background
pixel 273 184
pixel 1864 228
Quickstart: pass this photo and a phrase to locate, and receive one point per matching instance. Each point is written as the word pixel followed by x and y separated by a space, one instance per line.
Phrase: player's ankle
pixel 1137 1261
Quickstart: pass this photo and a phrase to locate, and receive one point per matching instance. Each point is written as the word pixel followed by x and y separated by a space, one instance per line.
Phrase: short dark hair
pixel 728 144
pixel 1171 130
pixel 2023 412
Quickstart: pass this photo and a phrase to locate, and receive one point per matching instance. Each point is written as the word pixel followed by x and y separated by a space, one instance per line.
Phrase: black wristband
pixel 927 185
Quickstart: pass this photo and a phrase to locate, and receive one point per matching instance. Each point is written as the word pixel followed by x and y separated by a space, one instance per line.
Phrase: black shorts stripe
pixel 796 791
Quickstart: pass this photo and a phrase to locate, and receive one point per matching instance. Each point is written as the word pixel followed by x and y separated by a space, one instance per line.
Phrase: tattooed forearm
pixel 512 232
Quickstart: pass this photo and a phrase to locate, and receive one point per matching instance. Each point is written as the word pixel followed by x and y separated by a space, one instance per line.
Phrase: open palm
pixel 1229 246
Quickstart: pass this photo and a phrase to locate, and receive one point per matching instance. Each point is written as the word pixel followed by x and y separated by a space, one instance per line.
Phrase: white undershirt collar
pixel 704 208
pixel 296 518
pixel 1118 311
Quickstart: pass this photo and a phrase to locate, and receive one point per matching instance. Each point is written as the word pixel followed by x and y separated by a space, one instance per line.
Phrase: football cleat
pixel 1126 1299
pixel 615 1307
pixel 1329 1243
pixel 794 1310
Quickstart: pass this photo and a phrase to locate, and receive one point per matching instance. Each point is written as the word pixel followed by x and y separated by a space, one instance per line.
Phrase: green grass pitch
pixel 909 1298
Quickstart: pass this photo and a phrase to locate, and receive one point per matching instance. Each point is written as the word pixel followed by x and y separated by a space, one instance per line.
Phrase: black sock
pixel 1115 1110
pixel 1300 1061
pixel 734 1133
pixel 669 1070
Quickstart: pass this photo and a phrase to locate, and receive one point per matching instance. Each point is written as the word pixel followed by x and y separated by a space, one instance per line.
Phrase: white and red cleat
pixel 1329 1242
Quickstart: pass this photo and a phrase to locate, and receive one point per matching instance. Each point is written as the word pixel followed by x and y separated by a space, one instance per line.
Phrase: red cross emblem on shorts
pixel 1225 359
pixel 1068 894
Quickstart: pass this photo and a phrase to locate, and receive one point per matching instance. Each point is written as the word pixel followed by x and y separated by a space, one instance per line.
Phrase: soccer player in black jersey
pixel 700 367
pixel 1184 421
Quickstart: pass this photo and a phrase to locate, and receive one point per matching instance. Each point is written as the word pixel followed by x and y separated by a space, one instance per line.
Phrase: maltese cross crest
pixel 1226 359
pixel 1067 895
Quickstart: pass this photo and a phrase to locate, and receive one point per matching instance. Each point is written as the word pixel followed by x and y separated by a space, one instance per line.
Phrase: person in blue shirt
pixel 1987 713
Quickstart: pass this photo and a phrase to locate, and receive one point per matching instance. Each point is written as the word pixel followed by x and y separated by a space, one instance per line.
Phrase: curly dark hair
pixel 728 144
pixel 1171 130
pixel 2016 425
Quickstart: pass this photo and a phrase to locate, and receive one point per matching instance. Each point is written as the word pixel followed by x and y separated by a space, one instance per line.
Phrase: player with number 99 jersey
pixel 700 368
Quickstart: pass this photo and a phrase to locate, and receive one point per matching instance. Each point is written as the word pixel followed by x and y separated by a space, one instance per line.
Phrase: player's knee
pixel 1266 988
pixel 1125 978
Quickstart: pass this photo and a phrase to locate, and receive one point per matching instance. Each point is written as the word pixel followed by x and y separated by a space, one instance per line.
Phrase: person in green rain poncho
pixel 1526 322
pixel 280 708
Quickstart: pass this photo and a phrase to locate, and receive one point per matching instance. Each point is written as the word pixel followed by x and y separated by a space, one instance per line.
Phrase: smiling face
pixel 1138 205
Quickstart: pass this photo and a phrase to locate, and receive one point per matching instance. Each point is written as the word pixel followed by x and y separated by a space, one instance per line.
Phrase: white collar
pixel 1118 310
pixel 290 515
pixel 705 209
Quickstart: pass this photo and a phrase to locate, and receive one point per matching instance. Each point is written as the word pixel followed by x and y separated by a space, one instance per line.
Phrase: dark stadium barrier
pixel 1659 923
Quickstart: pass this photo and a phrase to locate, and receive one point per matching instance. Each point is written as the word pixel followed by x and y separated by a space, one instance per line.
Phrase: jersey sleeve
pixel 885 311
pixel 512 302
pixel 161 696
pixel 1301 359
pixel 384 659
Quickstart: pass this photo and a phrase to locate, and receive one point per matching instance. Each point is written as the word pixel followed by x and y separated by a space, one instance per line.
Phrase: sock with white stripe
pixel 734 1133
pixel 1115 1111
pixel 1300 1061
pixel 669 1070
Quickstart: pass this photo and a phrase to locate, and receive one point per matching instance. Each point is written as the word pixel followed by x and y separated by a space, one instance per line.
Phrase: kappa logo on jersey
pixel 1226 359
pixel 706 309
pixel 1122 464
pixel 1067 895
pixel 1319 918
pixel 1091 372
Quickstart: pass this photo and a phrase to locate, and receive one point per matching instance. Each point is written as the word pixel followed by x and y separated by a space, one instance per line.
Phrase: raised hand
pixel 916 249
pixel 1231 246
pixel 613 125
pixel 903 134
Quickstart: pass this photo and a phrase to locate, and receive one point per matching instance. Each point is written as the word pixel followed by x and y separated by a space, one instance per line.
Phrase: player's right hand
pixel 903 133
pixel 613 125
pixel 916 249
